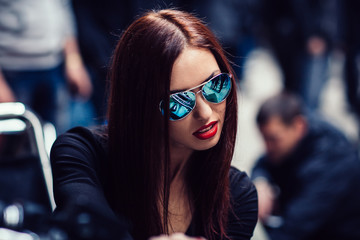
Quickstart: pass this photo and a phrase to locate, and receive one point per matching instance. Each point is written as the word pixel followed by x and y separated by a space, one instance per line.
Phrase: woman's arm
pixel 74 158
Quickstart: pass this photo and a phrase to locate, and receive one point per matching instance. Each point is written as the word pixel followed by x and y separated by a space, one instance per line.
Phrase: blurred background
pixel 308 47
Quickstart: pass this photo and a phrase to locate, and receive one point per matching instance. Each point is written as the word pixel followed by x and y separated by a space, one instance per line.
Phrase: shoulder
pixel 320 151
pixel 79 148
pixel 240 183
pixel 323 134
pixel 81 138
pixel 82 134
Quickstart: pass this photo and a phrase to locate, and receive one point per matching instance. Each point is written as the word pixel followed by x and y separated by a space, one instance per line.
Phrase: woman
pixel 163 161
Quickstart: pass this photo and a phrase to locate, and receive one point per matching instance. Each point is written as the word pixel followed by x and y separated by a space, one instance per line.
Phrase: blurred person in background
pixel 235 22
pixel 308 179
pixel 302 34
pixel 99 25
pixel 40 60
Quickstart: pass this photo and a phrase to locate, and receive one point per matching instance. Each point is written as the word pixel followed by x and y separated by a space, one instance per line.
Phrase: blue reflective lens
pixel 217 89
pixel 181 104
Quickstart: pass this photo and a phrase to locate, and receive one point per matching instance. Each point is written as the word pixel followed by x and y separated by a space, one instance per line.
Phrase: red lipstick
pixel 207 131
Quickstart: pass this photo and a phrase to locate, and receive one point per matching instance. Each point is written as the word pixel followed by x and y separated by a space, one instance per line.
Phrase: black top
pixel 77 159
pixel 318 187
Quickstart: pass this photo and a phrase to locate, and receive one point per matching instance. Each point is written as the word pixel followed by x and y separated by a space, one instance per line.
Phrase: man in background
pixel 308 179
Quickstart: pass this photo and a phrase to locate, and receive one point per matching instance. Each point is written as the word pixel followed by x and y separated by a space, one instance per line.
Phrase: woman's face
pixel 201 129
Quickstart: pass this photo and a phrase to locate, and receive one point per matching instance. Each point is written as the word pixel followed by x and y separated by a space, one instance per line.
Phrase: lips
pixel 207 131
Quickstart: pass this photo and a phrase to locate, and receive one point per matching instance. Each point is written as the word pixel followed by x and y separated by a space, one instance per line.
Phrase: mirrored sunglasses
pixel 215 90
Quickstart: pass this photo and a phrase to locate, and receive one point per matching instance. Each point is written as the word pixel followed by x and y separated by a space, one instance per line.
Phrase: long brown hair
pixel 138 133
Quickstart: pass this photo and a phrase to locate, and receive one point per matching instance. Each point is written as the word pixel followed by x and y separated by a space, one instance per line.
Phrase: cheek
pixel 172 130
pixel 178 129
pixel 220 110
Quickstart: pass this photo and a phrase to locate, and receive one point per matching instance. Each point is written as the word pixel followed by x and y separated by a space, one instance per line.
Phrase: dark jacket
pixel 318 187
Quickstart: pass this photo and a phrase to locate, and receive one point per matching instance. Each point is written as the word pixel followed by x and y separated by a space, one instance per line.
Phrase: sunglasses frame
pixel 200 85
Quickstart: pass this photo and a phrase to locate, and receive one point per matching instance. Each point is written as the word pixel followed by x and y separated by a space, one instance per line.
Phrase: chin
pixel 202 145
pixel 276 159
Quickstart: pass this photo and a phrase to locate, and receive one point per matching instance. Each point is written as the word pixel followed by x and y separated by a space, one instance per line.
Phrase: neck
pixel 178 160
pixel 179 208
pixel 180 213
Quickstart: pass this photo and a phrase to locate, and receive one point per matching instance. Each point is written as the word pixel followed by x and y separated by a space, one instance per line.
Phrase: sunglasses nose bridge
pixel 197 92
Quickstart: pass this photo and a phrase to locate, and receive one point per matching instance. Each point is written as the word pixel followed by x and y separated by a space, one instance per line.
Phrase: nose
pixel 202 110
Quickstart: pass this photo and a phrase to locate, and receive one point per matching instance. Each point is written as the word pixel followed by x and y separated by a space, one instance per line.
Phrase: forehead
pixel 192 67
pixel 274 125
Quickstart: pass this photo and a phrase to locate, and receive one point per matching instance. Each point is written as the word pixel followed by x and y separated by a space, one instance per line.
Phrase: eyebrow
pixel 207 79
